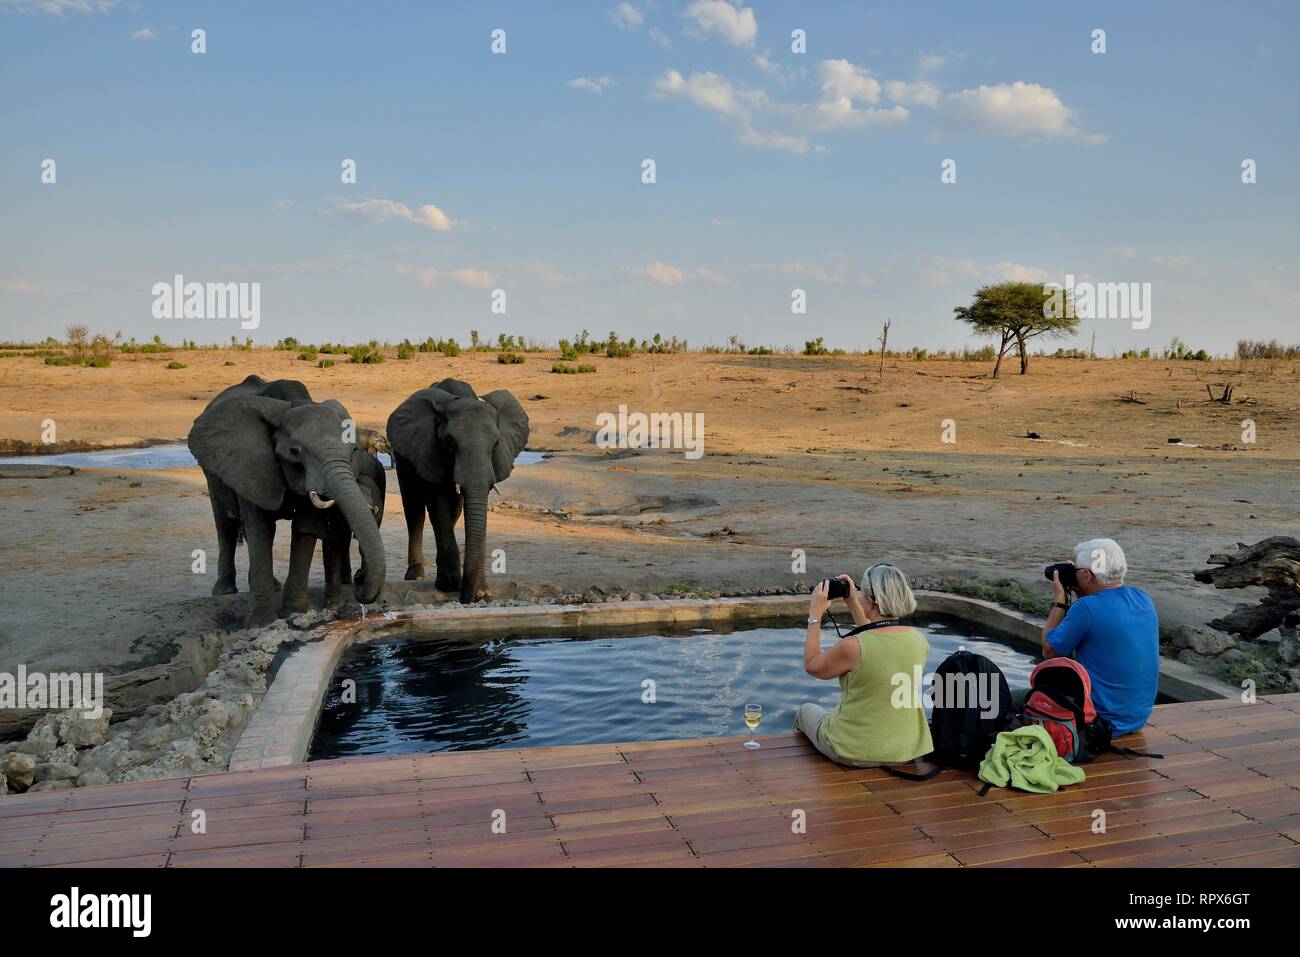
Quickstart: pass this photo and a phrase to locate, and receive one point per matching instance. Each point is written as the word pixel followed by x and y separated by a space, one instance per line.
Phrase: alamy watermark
pixel 1098 300
pixel 656 430
pixel 55 691
pixel 179 299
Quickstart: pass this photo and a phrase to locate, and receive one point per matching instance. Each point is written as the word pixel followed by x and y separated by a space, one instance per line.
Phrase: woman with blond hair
pixel 867 727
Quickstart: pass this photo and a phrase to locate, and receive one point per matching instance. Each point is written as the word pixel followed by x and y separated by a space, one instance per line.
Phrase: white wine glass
pixel 753 715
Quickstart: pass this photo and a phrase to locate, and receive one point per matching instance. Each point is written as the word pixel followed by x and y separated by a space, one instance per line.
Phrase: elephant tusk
pixel 320 502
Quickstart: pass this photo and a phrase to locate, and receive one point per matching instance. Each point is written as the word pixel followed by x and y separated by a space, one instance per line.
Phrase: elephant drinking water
pixel 450 448
pixel 269 452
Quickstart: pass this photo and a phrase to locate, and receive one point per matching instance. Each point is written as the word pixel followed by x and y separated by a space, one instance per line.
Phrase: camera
pixel 1068 577
pixel 838 588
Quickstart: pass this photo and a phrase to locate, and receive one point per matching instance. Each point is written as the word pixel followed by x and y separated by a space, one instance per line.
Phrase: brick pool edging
pixel 281 729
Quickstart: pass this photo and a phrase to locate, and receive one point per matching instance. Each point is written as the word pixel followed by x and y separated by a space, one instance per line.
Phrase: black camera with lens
pixel 838 588
pixel 1067 572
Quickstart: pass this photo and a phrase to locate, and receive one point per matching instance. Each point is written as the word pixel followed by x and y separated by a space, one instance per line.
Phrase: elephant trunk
pixel 474 579
pixel 341 485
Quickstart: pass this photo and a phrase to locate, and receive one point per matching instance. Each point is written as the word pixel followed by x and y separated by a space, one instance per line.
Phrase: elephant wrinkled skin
pixel 271 453
pixel 450 449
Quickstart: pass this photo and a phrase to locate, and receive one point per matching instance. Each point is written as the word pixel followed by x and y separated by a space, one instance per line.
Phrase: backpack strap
pixel 985 789
pixel 1133 752
pixel 1065 701
pixel 911 776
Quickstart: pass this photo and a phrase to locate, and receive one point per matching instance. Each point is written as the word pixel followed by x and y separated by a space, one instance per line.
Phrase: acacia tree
pixel 1016 312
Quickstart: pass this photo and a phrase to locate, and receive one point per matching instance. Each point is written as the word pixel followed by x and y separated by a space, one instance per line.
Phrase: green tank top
pixel 866 726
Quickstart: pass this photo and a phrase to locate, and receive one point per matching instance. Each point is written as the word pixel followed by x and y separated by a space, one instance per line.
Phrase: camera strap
pixel 869 626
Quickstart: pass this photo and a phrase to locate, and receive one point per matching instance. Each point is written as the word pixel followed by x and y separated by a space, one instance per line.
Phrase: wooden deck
pixel 1228 793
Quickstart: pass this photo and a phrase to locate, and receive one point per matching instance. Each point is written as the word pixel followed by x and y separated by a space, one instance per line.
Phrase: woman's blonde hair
pixel 888 588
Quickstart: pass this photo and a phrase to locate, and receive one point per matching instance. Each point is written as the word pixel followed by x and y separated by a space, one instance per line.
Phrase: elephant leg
pixel 413 508
pixel 444 510
pixel 227 538
pixel 259 533
pixel 301 552
pixel 337 570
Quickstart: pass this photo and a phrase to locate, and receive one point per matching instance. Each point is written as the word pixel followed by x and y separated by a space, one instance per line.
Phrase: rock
pixel 652 597
pixel 56 771
pixel 1288 649
pixel 80 730
pixel 106 757
pixel 59 785
pixel 91 778
pixel 19 769
pixel 1189 657
pixel 1201 639
pixel 1271 637
pixel 42 739
pixel 633 596
pixel 63 754
pixel 4 785
pixel 154 736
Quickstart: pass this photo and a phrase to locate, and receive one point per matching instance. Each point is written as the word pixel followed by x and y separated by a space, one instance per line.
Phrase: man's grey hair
pixel 1104 558
pixel 889 590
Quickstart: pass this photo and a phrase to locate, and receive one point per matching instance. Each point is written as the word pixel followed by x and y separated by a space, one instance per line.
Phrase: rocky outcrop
pixel 193 733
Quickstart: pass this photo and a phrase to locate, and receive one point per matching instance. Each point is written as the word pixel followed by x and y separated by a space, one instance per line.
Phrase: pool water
pixel 175 456
pixel 415 694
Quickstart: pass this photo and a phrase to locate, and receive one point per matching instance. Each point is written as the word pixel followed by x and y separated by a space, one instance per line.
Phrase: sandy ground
pixel 820 454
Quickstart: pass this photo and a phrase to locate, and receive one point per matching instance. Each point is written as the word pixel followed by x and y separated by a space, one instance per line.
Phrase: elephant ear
pixel 412 432
pixel 512 423
pixel 456 387
pixel 234 440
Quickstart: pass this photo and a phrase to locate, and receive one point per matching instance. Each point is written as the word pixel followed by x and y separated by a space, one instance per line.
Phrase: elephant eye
pixel 295 451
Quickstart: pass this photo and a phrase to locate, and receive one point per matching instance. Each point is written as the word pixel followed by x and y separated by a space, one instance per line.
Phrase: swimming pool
pixel 411 694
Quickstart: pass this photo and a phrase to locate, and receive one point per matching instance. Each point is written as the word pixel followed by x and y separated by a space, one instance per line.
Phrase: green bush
pixel 98 362
pixel 815 347
pixel 176 365
pixel 405 350
pixel 572 370
pixel 326 364
pixel 229 363
pixel 920 354
pixel 509 358
pixel 366 355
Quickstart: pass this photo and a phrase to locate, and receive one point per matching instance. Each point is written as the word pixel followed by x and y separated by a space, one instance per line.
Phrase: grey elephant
pixel 270 453
pixel 450 448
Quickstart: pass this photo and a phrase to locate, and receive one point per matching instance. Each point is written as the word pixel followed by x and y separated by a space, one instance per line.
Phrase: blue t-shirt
pixel 1115 634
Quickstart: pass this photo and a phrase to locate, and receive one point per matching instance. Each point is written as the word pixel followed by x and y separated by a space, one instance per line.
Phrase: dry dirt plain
pixel 824 454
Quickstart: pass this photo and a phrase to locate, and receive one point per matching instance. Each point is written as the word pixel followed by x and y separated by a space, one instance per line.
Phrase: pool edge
pixel 281 729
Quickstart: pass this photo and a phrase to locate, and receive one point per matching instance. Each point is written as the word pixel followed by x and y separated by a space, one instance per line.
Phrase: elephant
pixel 450 449
pixel 269 452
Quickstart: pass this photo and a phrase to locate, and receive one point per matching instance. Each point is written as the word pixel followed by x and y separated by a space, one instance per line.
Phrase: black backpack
pixel 961 729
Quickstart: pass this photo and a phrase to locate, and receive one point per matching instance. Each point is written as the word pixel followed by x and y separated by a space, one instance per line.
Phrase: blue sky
pixel 522 171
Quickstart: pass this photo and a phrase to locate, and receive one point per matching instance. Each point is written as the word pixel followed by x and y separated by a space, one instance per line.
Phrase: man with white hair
pixel 1112 630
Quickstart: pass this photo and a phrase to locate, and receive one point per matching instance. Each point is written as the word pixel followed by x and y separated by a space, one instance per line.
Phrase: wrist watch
pixel 1061 605
pixel 814 621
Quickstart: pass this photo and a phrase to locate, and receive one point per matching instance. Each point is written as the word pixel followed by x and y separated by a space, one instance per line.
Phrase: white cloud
pixel 627 17
pixel 378 210
pixel 929 63
pixel 664 274
pixel 595 84
pixel 774 141
pixel 1125 251
pixel 57 7
pixel 428 276
pixel 1015 272
pixel 735 24
pixel 1173 262
pixel 919 93
pixel 707 90
pixel 843 80
pixel 659 37
pixel 22 286
pixel 1014 109
pixel 480 278
pixel 144 33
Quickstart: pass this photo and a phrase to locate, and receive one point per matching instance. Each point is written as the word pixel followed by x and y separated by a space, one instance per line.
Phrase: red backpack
pixel 1060 699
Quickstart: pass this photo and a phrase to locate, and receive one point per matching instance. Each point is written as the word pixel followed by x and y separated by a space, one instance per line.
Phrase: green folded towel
pixel 1026 758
